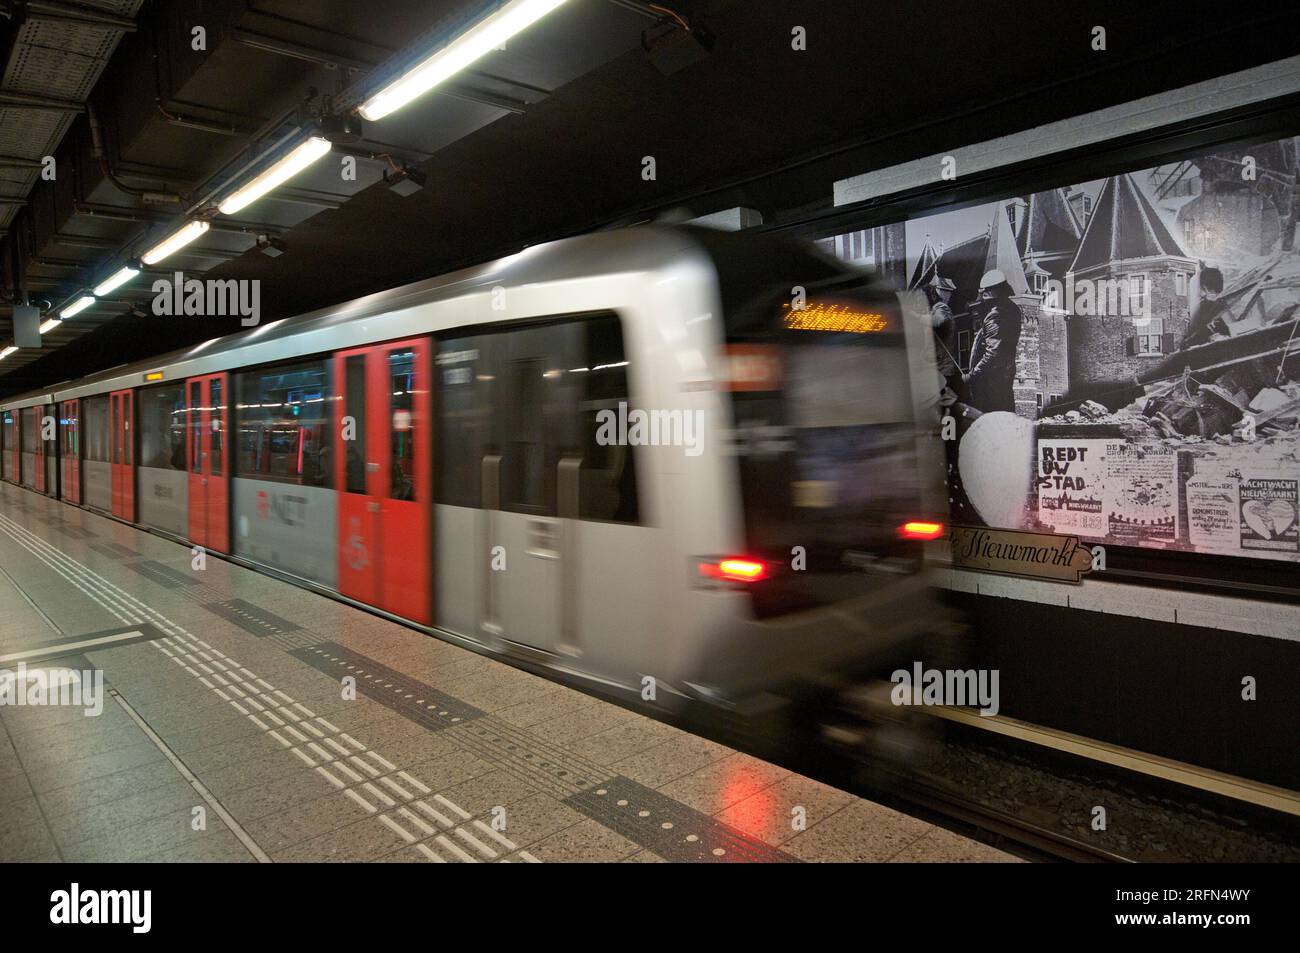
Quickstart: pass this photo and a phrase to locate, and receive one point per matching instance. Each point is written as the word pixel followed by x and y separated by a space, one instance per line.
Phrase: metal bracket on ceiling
pixel 29 101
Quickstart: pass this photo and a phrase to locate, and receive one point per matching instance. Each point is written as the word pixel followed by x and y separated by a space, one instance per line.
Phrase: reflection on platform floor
pixel 224 734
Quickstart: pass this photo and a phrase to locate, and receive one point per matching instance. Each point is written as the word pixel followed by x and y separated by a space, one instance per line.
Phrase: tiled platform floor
pixel 225 734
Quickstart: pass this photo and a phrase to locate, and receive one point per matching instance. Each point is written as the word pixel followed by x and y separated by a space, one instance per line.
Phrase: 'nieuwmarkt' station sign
pixel 1020 553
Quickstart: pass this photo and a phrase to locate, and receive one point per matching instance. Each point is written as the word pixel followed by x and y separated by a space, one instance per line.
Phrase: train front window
pixel 825 442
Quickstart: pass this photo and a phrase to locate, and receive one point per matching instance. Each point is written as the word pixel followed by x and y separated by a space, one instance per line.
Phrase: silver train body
pixel 636 604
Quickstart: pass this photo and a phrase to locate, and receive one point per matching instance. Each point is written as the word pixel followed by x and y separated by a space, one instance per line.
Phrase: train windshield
pixel 825 439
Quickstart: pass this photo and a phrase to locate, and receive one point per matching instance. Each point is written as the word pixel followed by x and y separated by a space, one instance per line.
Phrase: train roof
pixel 639 248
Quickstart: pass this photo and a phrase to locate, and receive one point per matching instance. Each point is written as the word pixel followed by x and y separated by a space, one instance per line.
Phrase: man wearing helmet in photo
pixel 987 386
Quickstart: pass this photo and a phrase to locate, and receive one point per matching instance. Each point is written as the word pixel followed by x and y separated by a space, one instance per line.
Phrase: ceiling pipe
pixel 97 150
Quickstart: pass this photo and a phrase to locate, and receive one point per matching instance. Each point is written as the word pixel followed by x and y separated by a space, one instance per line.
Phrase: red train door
pixel 384 474
pixel 38 474
pixel 70 450
pixel 209 492
pixel 122 437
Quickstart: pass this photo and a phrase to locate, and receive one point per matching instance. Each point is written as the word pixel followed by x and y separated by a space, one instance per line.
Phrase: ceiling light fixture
pixel 485 35
pixel 174 242
pixel 50 324
pixel 78 306
pixel 7 351
pixel 116 280
pixel 303 155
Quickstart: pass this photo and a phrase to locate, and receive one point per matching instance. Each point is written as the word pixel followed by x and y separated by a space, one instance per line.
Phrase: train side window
pixel 128 435
pixel 465 375
pixel 523 461
pixel 214 409
pixel 282 424
pixel 354 406
pixel 30 428
pixel 403 426
pixel 95 414
pixel 607 479
pixel 196 428
pixel 68 428
pixel 162 427
pixel 553 381
pixel 115 435
pixel 538 413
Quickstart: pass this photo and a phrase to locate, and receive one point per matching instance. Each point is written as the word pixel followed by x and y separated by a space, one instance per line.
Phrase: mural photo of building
pixel 1158 351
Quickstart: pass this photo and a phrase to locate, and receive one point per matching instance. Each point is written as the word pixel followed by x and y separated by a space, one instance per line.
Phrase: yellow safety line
pixel 1216 782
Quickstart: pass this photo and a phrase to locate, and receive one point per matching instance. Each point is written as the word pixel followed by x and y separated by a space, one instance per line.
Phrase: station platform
pixel 225 734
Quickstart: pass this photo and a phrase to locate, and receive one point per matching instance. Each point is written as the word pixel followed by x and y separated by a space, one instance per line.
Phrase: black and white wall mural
pixel 1121 357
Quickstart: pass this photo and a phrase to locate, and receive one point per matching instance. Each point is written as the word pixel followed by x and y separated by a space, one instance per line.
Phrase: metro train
pixel 436 453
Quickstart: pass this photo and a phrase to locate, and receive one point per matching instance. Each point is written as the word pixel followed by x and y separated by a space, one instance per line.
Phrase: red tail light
pixel 735 569
pixel 920 529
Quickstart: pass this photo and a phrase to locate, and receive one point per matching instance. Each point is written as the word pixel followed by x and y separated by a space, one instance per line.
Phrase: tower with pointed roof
pixel 1047 242
pixel 924 272
pixel 1127 286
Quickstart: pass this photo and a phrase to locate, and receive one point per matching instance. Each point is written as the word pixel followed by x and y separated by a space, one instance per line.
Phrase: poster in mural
pixel 1149 322
pixel 1268 515
pixel 1141 494
pixel 1071 475
pixel 1213 514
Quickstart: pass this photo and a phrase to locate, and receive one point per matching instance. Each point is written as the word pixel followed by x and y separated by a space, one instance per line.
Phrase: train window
pixel 401 409
pixel 196 427
pixel 30 429
pixel 69 423
pixel 282 424
pixel 354 406
pixel 607 480
pixel 115 436
pixel 466 395
pixel 526 484
pixel 128 436
pixel 98 437
pixel 162 427
pixel 215 409
pixel 532 395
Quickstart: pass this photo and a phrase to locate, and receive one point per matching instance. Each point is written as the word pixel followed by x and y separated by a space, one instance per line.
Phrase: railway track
pixel 1029 790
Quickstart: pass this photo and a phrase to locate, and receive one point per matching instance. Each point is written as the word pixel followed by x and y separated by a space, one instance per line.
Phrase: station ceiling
pixel 541 140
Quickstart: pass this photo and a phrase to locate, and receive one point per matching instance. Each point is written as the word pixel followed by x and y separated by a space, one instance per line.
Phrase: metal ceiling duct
pixel 59 50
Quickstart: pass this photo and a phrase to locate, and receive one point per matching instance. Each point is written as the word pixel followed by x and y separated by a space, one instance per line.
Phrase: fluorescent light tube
pixel 78 306
pixel 7 351
pixel 174 243
pixel 51 324
pixel 115 280
pixel 485 35
pixel 298 159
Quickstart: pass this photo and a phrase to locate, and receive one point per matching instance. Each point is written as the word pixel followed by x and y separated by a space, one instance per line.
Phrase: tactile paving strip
pixel 419 702
pixel 251 618
pixel 547 767
pixel 669 828
pixel 164 576
pixel 115 550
